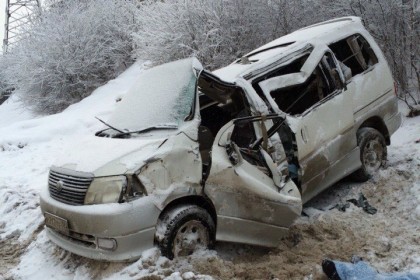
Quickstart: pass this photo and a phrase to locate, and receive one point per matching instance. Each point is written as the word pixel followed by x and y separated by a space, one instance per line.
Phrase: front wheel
pixel 372 153
pixel 183 230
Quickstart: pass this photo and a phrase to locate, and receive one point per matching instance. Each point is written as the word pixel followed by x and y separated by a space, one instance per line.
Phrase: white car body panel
pixel 252 200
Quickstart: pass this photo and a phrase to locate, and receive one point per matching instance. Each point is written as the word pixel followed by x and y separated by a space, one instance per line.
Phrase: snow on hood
pixel 162 95
pixel 107 156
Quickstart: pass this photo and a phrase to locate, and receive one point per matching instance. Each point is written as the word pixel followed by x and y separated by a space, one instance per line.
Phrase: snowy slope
pixel 29 145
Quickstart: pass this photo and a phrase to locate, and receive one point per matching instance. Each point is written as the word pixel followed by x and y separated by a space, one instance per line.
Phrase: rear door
pixel 321 117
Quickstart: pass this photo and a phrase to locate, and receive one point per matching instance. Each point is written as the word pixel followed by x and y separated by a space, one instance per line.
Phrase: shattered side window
pixel 331 75
pixel 293 67
pixel 295 93
pixel 367 52
pixel 355 53
pixel 324 81
pixel 297 99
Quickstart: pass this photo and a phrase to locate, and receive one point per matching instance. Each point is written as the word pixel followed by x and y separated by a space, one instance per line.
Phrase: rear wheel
pixel 373 153
pixel 185 229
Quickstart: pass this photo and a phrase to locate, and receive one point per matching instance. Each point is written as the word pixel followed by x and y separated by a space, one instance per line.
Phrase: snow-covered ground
pixel 389 240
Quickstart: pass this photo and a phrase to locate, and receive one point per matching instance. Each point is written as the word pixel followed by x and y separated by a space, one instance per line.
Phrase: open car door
pixel 254 203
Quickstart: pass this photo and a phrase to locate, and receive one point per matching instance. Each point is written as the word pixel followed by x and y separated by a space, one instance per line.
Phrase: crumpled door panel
pixel 243 194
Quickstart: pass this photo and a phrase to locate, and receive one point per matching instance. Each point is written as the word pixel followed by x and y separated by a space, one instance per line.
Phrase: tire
pixel 184 229
pixel 373 153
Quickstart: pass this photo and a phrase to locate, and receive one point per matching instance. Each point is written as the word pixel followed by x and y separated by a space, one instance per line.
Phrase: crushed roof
pixel 320 33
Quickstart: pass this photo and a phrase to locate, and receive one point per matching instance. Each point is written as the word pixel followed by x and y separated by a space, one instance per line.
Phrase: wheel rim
pixel 190 236
pixel 373 154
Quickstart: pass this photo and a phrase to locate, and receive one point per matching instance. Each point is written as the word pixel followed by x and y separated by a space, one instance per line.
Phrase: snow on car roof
pixel 325 31
pixel 322 33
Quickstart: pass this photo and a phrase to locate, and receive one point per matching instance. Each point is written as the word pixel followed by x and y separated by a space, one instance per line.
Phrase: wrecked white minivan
pixel 190 157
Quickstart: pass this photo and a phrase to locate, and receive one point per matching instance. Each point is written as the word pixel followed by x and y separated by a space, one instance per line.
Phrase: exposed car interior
pixel 220 102
pixel 354 52
pixel 298 98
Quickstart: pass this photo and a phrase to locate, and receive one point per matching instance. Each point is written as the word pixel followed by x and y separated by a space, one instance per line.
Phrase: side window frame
pixel 369 52
pixel 325 81
pixel 326 68
pixel 358 46
pixel 334 74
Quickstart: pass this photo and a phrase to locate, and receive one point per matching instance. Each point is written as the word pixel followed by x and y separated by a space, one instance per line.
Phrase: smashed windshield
pixel 162 96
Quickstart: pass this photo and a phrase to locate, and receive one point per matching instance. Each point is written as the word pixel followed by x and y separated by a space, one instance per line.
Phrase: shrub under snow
pixel 77 45
pixel 71 49
pixel 216 31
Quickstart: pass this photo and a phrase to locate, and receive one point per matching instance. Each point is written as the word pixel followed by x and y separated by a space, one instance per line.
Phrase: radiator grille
pixel 69 189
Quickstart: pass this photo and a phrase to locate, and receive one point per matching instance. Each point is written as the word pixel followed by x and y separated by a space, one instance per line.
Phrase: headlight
pixel 106 190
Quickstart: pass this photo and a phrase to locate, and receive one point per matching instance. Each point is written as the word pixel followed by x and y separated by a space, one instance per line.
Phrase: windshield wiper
pixel 108 125
pixel 162 126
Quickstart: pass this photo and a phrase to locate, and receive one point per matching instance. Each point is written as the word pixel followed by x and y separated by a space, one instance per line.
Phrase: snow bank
pixel 13 111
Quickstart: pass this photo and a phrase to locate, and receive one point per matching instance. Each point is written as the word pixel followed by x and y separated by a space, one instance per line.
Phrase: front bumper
pixel 131 225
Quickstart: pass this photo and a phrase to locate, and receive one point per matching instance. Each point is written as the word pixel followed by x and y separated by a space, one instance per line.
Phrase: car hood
pixel 108 156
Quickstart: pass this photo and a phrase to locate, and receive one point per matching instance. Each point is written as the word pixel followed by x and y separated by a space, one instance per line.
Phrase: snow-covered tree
pixel 72 48
pixel 216 31
pixel 391 24
pixel 75 46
